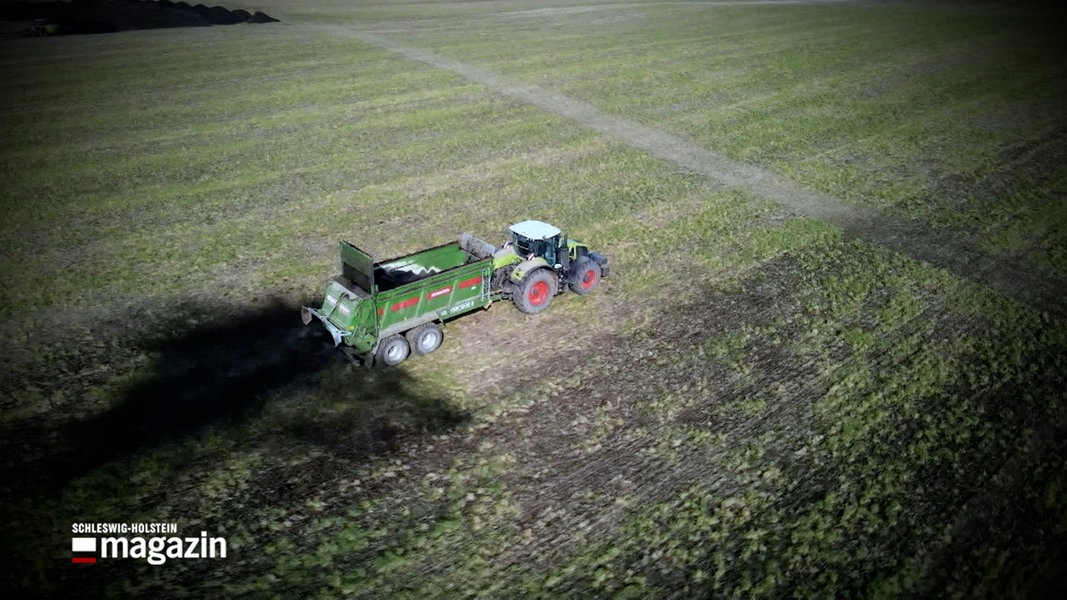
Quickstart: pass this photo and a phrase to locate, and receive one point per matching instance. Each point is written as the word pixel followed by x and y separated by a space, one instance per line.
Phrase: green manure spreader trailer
pixel 381 312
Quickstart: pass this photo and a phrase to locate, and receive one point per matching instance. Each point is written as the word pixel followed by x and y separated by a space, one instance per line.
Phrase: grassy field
pixel 756 403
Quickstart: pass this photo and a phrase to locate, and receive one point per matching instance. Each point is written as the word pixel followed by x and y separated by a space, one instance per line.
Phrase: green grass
pixel 753 405
pixel 881 105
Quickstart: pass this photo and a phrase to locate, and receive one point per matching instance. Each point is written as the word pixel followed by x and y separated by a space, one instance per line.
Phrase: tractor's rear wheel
pixel 535 292
pixel 393 351
pixel 424 339
pixel 586 276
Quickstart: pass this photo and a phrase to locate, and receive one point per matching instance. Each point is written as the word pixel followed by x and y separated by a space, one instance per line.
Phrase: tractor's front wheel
pixel 586 276
pixel 393 351
pixel 535 292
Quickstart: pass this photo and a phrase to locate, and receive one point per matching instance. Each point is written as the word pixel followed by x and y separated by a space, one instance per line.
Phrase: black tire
pixel 424 339
pixel 534 293
pixel 585 277
pixel 392 351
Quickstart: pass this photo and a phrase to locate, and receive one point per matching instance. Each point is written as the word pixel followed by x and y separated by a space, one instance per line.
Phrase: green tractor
pixel 537 262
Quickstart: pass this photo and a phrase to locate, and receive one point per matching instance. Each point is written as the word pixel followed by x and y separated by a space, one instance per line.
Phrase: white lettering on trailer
pixel 461 307
pixel 438 293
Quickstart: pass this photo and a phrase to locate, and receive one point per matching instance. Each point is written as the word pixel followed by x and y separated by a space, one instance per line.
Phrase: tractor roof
pixel 535 230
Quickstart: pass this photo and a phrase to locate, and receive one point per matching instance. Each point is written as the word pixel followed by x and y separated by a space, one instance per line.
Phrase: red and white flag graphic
pixel 83 550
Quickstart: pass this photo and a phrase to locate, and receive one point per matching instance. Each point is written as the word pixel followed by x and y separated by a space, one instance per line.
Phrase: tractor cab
pixel 538 239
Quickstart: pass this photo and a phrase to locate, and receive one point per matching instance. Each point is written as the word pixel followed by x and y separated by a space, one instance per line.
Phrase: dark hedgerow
pixel 106 16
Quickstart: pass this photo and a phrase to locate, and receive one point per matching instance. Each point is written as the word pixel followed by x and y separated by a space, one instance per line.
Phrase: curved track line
pixel 1007 274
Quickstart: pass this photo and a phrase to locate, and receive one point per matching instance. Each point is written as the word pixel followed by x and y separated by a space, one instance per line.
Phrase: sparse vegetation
pixel 757 405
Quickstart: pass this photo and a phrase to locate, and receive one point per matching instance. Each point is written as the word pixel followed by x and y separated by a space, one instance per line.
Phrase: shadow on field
pixel 220 376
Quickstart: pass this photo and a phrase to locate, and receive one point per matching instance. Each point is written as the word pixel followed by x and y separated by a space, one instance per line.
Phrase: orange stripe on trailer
pixel 473 281
pixel 438 293
pixel 412 301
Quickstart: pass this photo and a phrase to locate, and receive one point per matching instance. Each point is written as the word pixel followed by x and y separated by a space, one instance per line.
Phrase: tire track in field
pixel 1008 274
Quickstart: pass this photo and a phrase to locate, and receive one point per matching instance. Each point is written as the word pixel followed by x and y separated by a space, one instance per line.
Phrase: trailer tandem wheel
pixel 393 351
pixel 424 339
